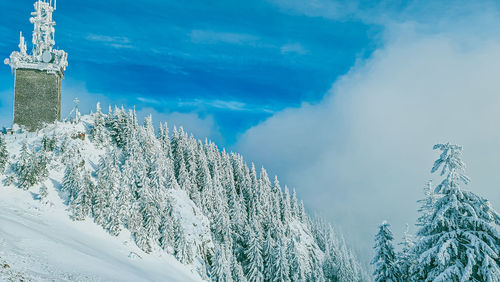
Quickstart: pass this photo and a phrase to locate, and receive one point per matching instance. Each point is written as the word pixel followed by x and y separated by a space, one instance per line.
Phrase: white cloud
pixel 215 37
pixel 364 153
pixel 294 48
pixel 316 8
pixel 203 104
pixel 119 42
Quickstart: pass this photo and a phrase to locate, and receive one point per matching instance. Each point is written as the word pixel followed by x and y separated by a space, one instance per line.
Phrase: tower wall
pixel 37 98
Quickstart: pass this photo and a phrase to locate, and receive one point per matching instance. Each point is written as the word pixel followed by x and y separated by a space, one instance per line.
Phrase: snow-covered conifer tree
pixel 286 210
pixel 296 266
pixel 294 205
pixel 385 258
pixel 4 155
pixel 427 204
pixel 281 268
pixel 49 143
pixel 167 232
pixel 221 268
pixel 107 203
pixel 43 192
pixel 182 249
pixel 254 267
pixel 237 270
pixel 82 204
pixel 406 257
pixel 79 187
pixel 268 254
pixel 31 167
pixel 99 131
pixel 461 240
pixel 165 140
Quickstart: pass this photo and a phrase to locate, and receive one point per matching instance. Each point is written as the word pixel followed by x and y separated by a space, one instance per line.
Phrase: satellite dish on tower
pixel 46 57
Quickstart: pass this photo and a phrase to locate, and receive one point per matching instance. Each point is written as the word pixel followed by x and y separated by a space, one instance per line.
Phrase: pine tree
pixel 79 187
pixel 237 271
pixel 461 240
pixel 107 205
pixel 4 155
pixel 406 258
pixel 385 258
pixel 82 204
pixel 99 131
pixel 49 143
pixel 427 205
pixel 268 251
pixel 183 251
pixel 221 266
pixel 254 264
pixel 43 191
pixel 281 267
pixel 31 167
pixel 167 238
pixel 296 267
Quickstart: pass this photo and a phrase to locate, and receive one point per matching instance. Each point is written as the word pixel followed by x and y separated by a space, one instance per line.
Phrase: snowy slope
pixel 39 241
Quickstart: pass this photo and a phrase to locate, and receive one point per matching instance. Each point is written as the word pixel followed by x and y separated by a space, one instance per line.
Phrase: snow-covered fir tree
pixel 31 167
pixel 427 204
pixel 4 154
pixel 99 131
pixel 406 257
pixel 78 185
pixel 460 240
pixel 254 265
pixel 385 257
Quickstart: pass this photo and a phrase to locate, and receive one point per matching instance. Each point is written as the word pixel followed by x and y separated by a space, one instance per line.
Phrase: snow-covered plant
pixel 108 199
pixel 4 154
pixel 79 187
pixel 385 257
pixel 99 131
pixel 49 143
pixel 253 258
pixel 182 249
pixel 221 271
pixel 43 191
pixel 461 239
pixel 31 167
pixel 406 257
pixel 281 268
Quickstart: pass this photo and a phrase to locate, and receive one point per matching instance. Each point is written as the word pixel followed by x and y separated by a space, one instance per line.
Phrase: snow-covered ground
pixel 38 241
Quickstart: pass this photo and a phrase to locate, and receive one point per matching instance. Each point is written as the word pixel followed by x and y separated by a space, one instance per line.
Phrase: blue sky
pixel 236 61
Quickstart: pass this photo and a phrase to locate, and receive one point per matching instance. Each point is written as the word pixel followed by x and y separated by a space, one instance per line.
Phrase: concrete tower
pixel 38 75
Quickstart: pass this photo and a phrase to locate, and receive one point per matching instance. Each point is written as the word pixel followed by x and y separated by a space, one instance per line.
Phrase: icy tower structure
pixel 38 75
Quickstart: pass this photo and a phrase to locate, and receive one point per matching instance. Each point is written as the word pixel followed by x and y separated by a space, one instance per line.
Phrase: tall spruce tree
pixel 4 155
pixel 221 269
pixel 281 268
pixel 99 131
pixel 385 258
pixel 461 240
pixel 406 257
pixel 254 267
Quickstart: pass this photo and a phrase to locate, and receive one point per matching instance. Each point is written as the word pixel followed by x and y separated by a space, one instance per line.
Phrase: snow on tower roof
pixel 43 56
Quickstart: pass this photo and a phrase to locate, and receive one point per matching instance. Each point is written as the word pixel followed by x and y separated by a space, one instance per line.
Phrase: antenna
pixel 55 5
